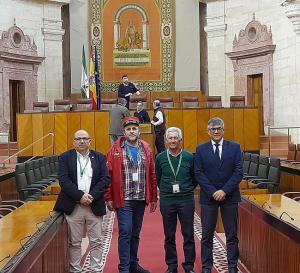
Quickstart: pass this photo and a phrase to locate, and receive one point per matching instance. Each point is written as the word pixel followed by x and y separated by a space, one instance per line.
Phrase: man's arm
pixel 237 174
pixel 146 117
pixel 200 176
pixel 158 170
pixel 153 185
pixel 67 186
pixel 104 179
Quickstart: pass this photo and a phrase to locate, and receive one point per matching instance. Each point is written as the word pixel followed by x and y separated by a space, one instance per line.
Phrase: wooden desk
pixel 268 243
pixel 193 122
pixel 44 239
pixel 289 177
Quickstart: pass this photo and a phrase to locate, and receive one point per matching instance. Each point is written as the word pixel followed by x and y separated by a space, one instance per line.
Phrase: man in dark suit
pixel 218 170
pixel 126 89
pixel 83 178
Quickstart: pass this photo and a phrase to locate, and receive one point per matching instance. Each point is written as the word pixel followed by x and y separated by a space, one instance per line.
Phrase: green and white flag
pixel 84 78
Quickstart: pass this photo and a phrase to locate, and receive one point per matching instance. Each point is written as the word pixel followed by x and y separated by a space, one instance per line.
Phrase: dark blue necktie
pixel 217 151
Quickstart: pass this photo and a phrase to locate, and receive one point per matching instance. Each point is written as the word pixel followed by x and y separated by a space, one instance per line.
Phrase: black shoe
pixel 232 270
pixel 138 269
pixel 206 271
pixel 171 270
pixel 189 271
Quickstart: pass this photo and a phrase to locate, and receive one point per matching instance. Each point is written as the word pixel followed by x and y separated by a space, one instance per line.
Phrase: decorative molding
pixel 52 29
pixel 216 27
pixel 292 12
pixel 252 54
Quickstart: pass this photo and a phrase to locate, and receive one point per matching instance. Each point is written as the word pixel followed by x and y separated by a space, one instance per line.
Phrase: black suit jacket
pixel 67 176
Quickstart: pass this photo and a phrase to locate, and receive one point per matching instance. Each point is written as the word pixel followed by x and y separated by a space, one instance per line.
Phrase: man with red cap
pixel 133 186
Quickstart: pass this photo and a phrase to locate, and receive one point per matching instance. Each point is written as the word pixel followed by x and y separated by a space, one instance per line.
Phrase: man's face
pixel 139 107
pixel 125 79
pixel 81 141
pixel 173 141
pixel 131 132
pixel 216 133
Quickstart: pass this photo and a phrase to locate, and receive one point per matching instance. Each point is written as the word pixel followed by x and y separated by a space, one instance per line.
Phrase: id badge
pixel 176 188
pixel 135 177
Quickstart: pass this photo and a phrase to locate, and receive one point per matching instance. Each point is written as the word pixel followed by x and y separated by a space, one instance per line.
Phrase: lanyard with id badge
pixel 175 184
pixel 135 175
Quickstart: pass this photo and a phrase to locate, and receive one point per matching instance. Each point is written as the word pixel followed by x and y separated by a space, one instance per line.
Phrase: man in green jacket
pixel 175 179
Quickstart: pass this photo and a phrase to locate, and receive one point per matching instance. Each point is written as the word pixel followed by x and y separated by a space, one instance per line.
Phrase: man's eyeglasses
pixel 216 129
pixel 85 139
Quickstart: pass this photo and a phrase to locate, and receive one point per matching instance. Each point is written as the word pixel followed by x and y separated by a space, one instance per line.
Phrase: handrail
pixel 31 158
pixel 30 145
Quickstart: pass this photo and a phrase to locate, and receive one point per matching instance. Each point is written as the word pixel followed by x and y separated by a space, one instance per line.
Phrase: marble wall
pixel 226 19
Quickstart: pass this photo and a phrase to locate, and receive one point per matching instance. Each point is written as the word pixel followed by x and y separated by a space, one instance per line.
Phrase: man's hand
pixel 138 93
pixel 219 195
pixel 86 199
pixel 110 206
pixel 153 206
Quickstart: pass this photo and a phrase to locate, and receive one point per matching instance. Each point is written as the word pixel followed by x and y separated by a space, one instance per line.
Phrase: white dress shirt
pixel 220 147
pixel 84 180
pixel 160 118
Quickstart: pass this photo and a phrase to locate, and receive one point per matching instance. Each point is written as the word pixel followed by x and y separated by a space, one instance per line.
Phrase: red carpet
pixel 151 250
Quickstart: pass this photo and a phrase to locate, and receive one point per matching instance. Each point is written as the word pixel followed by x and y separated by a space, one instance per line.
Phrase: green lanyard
pixel 171 166
pixel 82 170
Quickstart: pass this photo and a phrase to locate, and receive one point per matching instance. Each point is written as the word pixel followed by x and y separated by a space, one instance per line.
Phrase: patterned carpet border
pixel 107 230
pixel 219 250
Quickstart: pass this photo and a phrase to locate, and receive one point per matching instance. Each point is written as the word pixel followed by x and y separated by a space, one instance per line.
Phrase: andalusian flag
pixel 92 88
pixel 84 78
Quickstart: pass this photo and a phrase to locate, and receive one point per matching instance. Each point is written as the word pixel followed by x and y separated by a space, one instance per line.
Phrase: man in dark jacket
pixel 83 178
pixel 126 89
pixel 141 113
pixel 218 170
pixel 159 123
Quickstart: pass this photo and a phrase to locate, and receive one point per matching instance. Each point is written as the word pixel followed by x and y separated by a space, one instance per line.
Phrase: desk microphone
pixel 23 247
pixel 252 196
pixel 266 202
pixel 287 215
pixel 7 257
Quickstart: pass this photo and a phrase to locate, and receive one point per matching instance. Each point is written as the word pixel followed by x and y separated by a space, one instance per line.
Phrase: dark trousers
pixel 185 214
pixel 159 142
pixel 130 220
pixel 209 215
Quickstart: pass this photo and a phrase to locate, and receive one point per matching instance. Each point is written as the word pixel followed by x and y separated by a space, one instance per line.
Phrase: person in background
pixel 175 179
pixel 218 171
pixel 116 116
pixel 83 178
pixel 131 167
pixel 159 123
pixel 126 89
pixel 141 113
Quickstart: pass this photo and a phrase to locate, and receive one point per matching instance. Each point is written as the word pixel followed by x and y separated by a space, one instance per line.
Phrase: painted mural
pixel 134 38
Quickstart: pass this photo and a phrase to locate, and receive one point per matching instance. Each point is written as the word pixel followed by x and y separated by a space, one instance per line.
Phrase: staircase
pixel 278 145
pixel 7 150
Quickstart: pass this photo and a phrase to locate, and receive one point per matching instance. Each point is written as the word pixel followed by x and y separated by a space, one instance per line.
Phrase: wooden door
pixel 255 96
pixel 17 105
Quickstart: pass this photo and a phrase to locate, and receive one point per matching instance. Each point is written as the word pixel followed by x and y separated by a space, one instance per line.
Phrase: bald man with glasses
pixel 218 170
pixel 83 178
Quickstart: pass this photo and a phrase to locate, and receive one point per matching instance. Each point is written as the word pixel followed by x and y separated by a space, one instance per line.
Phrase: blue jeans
pixel 130 219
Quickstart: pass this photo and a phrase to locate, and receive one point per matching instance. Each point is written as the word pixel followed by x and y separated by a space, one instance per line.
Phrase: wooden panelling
pixel 24 123
pixel 251 129
pixel 61 133
pixel 101 131
pixel 73 125
pixel 37 134
pixel 202 119
pixel 48 127
pixel 289 181
pixel 238 125
pixel 88 124
pixel 189 129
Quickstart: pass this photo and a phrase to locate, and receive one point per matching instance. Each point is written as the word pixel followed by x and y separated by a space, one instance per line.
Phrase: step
pixel 265 139
pixel 13 160
pixel 275 145
pixel 282 153
pixel 12 145
pixel 4 152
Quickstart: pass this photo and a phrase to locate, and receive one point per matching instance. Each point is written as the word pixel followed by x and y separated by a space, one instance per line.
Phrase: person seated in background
pixel 126 89
pixel 141 113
